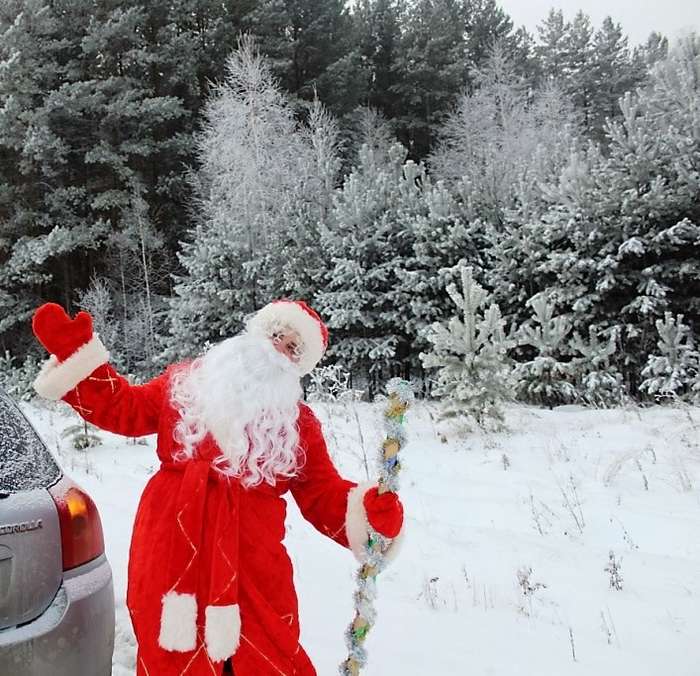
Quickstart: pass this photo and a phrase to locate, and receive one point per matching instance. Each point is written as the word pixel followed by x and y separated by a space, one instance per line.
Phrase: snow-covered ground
pixel 509 537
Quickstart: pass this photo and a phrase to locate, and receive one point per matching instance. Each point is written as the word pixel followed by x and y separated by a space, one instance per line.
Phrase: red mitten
pixel 60 334
pixel 384 512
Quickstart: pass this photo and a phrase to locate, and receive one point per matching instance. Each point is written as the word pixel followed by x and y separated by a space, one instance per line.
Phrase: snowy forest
pixel 490 213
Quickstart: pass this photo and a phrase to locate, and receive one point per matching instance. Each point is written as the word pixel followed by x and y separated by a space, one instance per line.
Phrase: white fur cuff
pixel 178 622
pixel 357 527
pixel 56 379
pixel 222 631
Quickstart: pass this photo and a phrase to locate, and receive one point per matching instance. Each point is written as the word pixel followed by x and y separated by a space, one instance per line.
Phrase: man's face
pixel 288 343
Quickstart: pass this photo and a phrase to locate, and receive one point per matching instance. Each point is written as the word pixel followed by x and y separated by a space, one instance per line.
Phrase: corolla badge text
pixel 23 527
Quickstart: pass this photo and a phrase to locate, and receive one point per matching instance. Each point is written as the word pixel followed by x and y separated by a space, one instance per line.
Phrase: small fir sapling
pixel 470 352
pixel 598 382
pixel 674 371
pixel 545 379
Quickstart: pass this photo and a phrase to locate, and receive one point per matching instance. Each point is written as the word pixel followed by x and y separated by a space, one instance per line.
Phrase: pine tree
pixel 306 42
pixel 673 371
pixel 578 71
pixel 442 41
pixel 614 72
pixel 429 71
pixel 655 49
pixel 377 35
pixel 101 105
pixel 470 352
pixel 598 382
pixel 546 378
pixel 442 237
pixel 38 235
pixel 552 49
pixel 594 68
pixel 368 238
pixel 487 23
pixel 624 237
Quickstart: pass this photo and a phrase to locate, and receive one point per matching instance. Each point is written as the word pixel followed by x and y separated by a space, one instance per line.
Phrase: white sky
pixel 638 17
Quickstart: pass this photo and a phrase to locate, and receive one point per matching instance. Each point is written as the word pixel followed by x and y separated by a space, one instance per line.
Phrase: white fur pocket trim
pixel 178 622
pixel 222 631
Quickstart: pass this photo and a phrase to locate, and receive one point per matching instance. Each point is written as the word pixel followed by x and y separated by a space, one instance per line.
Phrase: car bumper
pixel 74 635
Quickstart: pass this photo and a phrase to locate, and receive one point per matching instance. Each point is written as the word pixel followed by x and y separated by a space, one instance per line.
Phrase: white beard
pixel 246 394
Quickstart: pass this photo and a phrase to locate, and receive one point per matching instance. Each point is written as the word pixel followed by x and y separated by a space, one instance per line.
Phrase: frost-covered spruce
pixel 470 352
pixel 546 378
pixel 368 238
pixel 597 381
pixel 623 232
pixel 675 370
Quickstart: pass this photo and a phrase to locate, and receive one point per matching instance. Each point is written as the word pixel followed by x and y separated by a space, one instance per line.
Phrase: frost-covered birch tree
pixel 503 141
pixel 263 184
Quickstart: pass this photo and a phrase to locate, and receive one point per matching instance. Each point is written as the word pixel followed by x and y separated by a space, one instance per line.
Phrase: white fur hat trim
pixel 288 313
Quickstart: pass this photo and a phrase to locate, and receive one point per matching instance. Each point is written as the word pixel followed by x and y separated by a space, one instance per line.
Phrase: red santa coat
pixel 259 568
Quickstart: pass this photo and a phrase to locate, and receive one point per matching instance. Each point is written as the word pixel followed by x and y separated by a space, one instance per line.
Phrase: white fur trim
pixel 222 631
pixel 56 379
pixel 290 314
pixel 178 622
pixel 357 527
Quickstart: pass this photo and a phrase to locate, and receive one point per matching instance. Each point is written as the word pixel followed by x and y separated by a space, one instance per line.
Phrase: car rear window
pixel 25 463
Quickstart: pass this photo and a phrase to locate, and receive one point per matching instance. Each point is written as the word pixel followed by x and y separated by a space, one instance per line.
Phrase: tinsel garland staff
pixel 400 398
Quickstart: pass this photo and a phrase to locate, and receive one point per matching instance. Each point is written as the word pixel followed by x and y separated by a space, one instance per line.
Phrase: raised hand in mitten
pixel 75 351
pixel 58 333
pixel 384 512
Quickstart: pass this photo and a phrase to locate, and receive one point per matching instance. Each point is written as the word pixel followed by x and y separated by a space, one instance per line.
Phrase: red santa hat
pixel 296 315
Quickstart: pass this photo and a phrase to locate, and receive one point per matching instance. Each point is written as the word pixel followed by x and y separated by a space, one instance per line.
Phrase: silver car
pixel 56 595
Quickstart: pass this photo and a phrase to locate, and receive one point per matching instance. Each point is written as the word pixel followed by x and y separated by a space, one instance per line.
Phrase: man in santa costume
pixel 210 582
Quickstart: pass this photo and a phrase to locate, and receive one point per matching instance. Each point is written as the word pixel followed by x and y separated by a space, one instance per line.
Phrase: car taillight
pixel 81 529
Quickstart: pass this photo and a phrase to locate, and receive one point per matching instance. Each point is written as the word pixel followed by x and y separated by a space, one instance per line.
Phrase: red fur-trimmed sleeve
pixel 320 492
pixel 107 399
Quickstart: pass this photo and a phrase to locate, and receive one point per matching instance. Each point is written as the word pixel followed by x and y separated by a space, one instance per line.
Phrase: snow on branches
pixel 470 352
